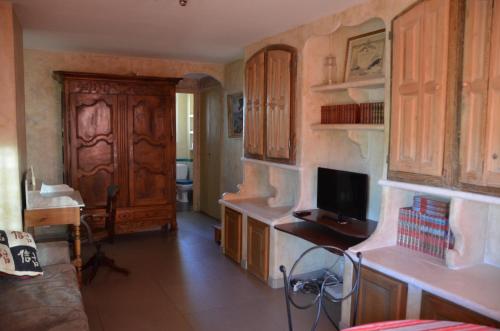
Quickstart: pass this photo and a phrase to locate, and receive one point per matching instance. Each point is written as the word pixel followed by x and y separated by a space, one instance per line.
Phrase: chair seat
pixel 99 234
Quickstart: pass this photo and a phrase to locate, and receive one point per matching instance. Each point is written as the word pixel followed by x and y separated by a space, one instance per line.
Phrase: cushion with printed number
pixel 18 255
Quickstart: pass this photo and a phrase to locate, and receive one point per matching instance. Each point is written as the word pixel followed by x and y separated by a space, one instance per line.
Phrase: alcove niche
pixel 350 147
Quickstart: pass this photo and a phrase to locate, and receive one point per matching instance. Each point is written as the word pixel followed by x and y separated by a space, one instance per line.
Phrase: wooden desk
pixel 62 208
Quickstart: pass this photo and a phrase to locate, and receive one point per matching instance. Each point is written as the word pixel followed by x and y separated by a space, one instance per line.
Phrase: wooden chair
pixel 107 233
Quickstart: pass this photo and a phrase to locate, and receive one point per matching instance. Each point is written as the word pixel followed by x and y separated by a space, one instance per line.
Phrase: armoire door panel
pixel 149 143
pixel 434 56
pixel 94 120
pixel 97 155
pixel 405 90
pixel 93 157
pixel 278 110
pixel 492 155
pixel 475 90
pixel 254 105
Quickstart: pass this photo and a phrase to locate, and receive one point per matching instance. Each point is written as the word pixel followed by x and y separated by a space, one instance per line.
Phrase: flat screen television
pixel 342 192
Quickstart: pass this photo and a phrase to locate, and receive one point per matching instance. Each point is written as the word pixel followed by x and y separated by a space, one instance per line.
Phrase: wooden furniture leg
pixel 78 257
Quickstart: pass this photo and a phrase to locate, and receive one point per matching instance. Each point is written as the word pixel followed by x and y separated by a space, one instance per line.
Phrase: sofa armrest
pixel 56 252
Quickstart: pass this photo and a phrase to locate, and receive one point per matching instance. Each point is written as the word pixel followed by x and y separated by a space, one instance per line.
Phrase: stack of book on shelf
pixel 366 113
pixel 340 114
pixel 424 227
pixel 371 113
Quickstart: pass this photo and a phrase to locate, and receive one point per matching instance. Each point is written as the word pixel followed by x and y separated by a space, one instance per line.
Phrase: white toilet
pixel 183 183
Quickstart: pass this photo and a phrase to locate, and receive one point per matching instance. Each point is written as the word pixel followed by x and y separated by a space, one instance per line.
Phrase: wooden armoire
pixel 121 130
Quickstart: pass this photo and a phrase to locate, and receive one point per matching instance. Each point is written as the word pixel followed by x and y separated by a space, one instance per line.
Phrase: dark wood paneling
pixel 436 308
pixel 381 298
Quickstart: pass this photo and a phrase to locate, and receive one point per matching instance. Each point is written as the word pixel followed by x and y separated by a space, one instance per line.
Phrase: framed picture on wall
pixel 365 56
pixel 235 115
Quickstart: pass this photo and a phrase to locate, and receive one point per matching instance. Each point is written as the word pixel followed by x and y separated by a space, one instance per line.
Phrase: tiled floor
pixel 181 281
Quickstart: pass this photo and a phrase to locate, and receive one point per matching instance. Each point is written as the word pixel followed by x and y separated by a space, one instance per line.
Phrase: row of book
pixel 366 113
pixel 427 233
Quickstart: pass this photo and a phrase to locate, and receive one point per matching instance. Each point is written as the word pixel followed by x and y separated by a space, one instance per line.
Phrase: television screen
pixel 342 192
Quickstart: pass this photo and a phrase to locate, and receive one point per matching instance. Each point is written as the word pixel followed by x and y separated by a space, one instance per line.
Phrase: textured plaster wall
pixel 329 148
pixel 12 129
pixel 232 168
pixel 43 95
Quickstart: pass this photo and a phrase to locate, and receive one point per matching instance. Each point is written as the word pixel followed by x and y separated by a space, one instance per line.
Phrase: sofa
pixel 49 302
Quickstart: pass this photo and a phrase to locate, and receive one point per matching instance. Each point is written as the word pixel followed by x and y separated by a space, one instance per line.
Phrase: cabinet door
pixel 279 104
pixel 406 101
pixel 151 131
pixel 492 155
pixel 435 308
pixel 419 89
pixel 254 106
pixel 475 90
pixel 381 298
pixel 258 248
pixel 232 234
pixel 93 145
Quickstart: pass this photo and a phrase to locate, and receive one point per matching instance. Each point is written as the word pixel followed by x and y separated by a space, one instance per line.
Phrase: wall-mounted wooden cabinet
pixel 436 308
pixel 232 234
pixel 446 95
pixel 258 248
pixel 270 76
pixel 480 107
pixel 381 298
pixel 426 56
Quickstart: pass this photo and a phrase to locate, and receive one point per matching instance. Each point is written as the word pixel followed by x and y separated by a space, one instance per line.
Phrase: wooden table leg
pixel 78 257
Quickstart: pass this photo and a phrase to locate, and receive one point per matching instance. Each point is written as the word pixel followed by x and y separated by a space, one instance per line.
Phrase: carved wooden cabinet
pixel 232 234
pixel 270 76
pixel 426 43
pixel 480 107
pixel 436 308
pixel 258 248
pixel 121 130
pixel 381 298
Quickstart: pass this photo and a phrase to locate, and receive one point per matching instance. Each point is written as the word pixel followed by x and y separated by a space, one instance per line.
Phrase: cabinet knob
pixel 494 156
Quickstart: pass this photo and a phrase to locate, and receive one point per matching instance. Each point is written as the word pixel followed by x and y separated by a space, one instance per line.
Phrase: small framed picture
pixel 365 56
pixel 235 115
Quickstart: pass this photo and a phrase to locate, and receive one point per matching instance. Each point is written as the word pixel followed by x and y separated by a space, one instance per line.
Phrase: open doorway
pixel 184 109
pixel 199 124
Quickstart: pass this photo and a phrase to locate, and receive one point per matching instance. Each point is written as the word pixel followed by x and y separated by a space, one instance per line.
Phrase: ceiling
pixel 204 30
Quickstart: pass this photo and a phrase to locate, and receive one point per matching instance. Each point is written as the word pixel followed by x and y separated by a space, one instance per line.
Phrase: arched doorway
pixel 203 137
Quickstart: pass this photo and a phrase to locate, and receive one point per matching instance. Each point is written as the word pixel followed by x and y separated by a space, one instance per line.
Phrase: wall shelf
pixel 364 84
pixel 348 127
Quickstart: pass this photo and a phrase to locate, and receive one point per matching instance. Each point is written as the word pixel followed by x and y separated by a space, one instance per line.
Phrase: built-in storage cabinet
pixel 425 40
pixel 258 248
pixel 232 234
pixel 269 121
pixel 436 308
pixel 381 298
pixel 480 111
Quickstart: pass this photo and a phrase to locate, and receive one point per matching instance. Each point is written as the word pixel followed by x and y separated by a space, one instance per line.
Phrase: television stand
pixel 360 229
